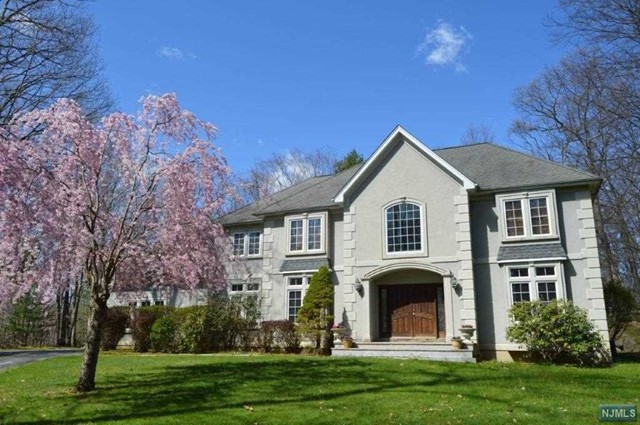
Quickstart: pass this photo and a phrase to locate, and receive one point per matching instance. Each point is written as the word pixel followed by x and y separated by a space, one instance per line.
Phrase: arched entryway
pixel 408 302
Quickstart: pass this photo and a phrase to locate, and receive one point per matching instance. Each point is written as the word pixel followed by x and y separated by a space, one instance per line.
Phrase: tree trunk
pixel 87 381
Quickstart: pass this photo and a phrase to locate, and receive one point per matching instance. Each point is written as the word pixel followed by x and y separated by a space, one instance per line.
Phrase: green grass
pixel 272 389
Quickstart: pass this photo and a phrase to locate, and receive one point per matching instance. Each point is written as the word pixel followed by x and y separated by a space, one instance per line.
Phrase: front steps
pixel 407 350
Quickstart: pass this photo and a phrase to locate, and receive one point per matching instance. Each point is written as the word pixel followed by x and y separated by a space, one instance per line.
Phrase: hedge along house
pixel 421 242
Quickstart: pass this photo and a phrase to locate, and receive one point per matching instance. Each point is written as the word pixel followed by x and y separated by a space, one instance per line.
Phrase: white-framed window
pixel 306 233
pixel 247 244
pixel 404 228
pixel 528 215
pixel 296 288
pixel 530 282
pixel 244 287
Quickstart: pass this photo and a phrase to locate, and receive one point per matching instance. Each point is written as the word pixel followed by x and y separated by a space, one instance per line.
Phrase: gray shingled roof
pixel 494 167
pixel 531 252
pixel 312 194
pixel 490 166
pixel 303 264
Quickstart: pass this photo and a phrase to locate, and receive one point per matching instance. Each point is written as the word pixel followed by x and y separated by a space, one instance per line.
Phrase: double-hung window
pixel 296 287
pixel 528 215
pixel 306 234
pixel 535 282
pixel 246 244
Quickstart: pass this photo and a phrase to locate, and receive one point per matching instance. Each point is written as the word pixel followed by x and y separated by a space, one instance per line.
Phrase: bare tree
pixel 283 170
pixel 47 51
pixel 577 113
pixel 477 134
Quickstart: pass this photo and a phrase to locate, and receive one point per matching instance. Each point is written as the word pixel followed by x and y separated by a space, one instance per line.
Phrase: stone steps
pixel 441 351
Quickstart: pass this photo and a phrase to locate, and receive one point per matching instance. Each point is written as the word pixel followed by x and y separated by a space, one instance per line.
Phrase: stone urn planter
pixel 456 343
pixel 347 342
pixel 467 332
pixel 338 333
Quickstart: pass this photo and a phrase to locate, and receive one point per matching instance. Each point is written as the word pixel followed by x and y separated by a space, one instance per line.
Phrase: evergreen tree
pixel 315 316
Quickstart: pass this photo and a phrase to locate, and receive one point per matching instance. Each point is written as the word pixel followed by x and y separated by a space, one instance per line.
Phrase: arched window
pixel 404 227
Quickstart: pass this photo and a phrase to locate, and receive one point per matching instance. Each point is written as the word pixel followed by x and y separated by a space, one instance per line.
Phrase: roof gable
pixel 388 144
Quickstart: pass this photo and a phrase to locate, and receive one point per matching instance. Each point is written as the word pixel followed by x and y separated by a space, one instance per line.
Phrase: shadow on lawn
pixel 235 383
pixel 228 383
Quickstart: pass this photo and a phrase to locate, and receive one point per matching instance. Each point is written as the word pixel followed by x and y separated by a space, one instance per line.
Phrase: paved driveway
pixel 14 358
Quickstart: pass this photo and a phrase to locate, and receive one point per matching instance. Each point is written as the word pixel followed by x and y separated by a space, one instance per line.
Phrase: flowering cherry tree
pixel 129 203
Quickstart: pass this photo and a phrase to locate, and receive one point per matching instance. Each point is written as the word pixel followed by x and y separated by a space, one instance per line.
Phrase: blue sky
pixel 282 74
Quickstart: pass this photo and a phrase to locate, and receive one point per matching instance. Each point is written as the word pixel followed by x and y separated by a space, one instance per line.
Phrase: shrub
pixel 195 326
pixel 143 319
pixel 114 327
pixel 621 305
pixel 560 332
pixel 279 334
pixel 315 317
pixel 164 334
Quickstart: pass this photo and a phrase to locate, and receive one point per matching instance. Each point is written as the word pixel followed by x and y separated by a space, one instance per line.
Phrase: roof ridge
pixel 509 149
pixel 461 146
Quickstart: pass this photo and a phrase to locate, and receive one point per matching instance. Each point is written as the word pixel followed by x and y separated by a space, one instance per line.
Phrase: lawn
pixel 273 389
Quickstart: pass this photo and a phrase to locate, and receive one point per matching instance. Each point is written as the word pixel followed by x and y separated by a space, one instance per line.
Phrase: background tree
pixel 621 308
pixel 585 112
pixel 283 170
pixel 315 316
pixel 130 203
pixel 477 134
pixel 47 51
pixel 351 159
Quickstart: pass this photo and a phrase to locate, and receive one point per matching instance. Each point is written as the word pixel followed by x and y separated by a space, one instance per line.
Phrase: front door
pixel 409 311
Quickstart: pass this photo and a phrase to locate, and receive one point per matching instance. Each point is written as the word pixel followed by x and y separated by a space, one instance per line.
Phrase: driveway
pixel 14 358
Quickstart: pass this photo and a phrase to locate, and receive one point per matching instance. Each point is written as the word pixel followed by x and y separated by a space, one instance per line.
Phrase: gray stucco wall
pixel 581 271
pixel 406 172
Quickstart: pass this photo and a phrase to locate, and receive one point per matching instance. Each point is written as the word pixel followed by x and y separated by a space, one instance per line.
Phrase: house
pixel 421 242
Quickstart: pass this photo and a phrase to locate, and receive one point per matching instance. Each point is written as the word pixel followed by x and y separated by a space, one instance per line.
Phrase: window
pixel 242 287
pixel 404 227
pixel 296 287
pixel 528 215
pixel 238 244
pixel 296 235
pixel 246 244
pixel 254 243
pixel 534 282
pixel 306 233
pixel 145 303
pixel 159 302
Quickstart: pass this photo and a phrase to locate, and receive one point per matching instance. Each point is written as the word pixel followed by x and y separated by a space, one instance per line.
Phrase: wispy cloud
pixel 174 53
pixel 444 45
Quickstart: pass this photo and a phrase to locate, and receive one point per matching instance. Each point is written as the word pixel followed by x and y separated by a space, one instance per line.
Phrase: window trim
pixel 423 230
pixel 323 216
pixel 245 245
pixel 288 288
pixel 550 195
pixel 534 280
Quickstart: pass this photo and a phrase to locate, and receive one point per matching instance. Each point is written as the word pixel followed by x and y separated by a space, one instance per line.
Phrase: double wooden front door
pixel 409 310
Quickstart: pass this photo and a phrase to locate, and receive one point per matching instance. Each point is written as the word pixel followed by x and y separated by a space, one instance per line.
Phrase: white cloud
pixel 174 53
pixel 444 45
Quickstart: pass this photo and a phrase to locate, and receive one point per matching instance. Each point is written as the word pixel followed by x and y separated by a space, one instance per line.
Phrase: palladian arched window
pixel 404 227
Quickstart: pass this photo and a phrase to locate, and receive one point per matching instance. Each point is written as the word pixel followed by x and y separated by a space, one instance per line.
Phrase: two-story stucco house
pixel 422 241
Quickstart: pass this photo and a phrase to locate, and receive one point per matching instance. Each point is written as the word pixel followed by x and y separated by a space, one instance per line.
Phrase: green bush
pixel 559 332
pixel 114 327
pixel 276 335
pixel 143 320
pixel 164 334
pixel 314 317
